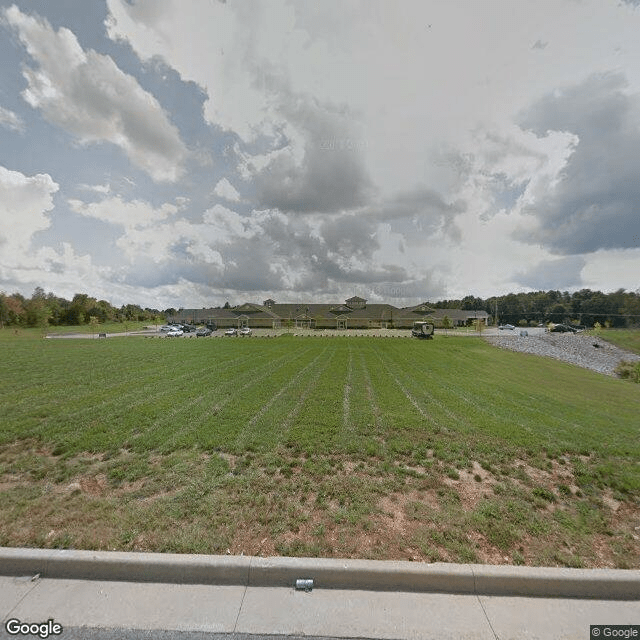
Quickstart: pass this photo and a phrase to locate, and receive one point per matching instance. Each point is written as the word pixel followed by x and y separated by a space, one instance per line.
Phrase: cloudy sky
pixel 188 152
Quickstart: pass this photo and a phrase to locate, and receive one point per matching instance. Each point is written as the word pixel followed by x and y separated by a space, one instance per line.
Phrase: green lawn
pixel 105 327
pixel 628 339
pixel 364 447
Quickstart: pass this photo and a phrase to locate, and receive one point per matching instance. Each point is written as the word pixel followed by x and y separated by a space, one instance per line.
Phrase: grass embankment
pixel 372 448
pixel 628 339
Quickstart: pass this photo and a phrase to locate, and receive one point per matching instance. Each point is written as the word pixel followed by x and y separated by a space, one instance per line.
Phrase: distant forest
pixel 47 309
pixel 584 307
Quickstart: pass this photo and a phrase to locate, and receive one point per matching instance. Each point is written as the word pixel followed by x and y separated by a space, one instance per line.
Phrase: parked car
pixel 175 333
pixel 203 332
pixel 562 328
pixel 167 327
pixel 510 327
pixel 245 331
pixel 231 332
pixel 188 328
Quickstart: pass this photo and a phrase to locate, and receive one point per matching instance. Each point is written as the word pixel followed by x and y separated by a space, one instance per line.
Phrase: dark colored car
pixel 203 332
pixel 188 328
pixel 562 328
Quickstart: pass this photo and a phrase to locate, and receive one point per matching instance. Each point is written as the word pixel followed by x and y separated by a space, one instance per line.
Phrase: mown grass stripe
pixel 346 418
pixel 425 414
pixel 120 406
pixel 230 392
pixel 311 386
pixel 249 426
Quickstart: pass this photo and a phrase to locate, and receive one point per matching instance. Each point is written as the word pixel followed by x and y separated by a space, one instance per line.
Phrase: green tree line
pixel 585 307
pixel 44 309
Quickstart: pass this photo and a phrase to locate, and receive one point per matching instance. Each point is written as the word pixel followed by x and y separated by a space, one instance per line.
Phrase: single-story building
pixel 355 313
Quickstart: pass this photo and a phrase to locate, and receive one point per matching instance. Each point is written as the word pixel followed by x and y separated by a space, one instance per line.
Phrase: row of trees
pixel 44 309
pixel 618 309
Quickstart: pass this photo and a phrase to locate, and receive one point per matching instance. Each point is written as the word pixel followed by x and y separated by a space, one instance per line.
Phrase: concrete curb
pixel 372 575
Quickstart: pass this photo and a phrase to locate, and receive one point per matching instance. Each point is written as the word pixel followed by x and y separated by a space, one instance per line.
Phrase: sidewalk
pixel 350 598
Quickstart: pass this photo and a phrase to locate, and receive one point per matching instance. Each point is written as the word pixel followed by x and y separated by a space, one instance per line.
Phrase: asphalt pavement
pixel 105 595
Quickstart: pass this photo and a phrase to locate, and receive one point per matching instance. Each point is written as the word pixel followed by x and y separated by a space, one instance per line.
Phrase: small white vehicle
pixel 245 331
pixel 174 333
pixel 231 332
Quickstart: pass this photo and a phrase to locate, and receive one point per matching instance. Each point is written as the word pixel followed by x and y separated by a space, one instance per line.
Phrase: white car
pixel 509 327
pixel 174 333
pixel 245 331
pixel 231 332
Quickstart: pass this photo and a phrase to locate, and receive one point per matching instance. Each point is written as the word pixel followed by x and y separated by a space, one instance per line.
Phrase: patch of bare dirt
pixel 471 490
pixel 9 483
pixel 610 501
pixel 349 466
pixel 94 485
pixel 487 553
pixel 251 541
pixel 393 517
pixel 557 475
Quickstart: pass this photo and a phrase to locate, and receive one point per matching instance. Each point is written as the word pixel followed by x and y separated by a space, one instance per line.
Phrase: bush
pixel 628 370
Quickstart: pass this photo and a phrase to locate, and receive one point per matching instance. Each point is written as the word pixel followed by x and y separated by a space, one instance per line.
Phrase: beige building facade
pixel 354 313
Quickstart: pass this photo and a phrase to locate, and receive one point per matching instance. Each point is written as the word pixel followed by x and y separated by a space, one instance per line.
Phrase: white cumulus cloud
pixel 25 202
pixel 224 189
pixel 88 95
pixel 130 215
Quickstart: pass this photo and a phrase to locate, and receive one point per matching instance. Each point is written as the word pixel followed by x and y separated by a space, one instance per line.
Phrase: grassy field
pixel 628 339
pixel 346 447
pixel 105 327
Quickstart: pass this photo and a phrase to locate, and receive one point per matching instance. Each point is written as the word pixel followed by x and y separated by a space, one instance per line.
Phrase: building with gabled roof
pixel 244 315
pixel 459 317
pixel 356 302
pixel 355 313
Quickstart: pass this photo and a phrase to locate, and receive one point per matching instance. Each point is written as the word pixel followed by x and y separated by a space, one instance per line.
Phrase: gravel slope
pixel 585 351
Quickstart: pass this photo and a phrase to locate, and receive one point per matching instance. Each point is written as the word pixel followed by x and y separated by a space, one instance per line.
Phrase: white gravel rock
pixel 582 350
